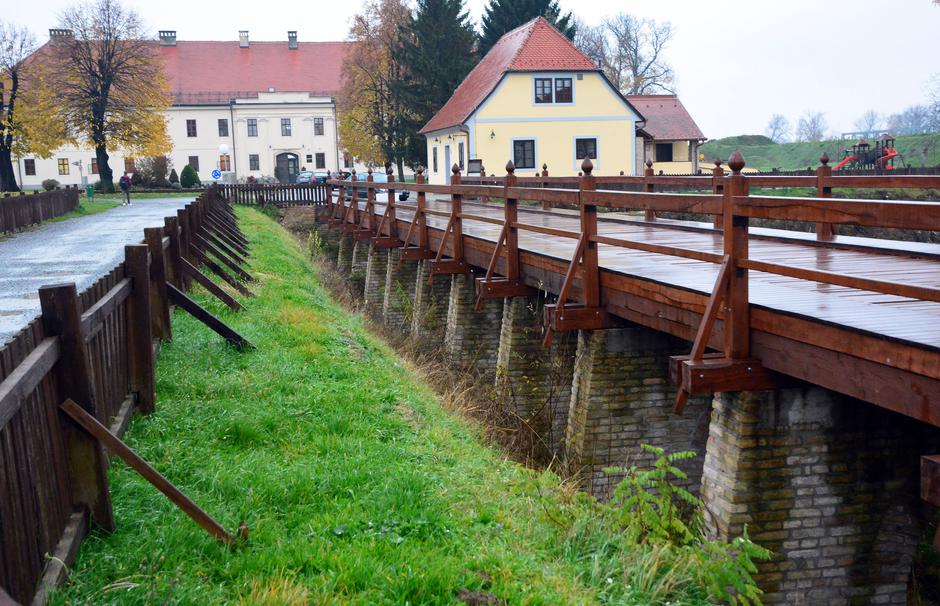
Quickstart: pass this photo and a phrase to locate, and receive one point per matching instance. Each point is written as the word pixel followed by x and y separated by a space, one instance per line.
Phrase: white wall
pixel 268 110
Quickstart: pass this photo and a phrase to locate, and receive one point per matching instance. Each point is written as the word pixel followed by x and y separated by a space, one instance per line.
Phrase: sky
pixel 736 62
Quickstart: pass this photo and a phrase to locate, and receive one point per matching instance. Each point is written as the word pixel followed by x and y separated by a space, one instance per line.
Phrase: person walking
pixel 125 183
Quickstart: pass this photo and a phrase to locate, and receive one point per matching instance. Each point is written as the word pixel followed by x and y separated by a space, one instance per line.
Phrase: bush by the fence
pixel 49 184
pixel 189 178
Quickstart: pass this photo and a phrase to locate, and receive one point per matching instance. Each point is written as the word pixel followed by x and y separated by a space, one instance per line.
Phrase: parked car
pixel 362 193
pixel 321 176
pixel 304 177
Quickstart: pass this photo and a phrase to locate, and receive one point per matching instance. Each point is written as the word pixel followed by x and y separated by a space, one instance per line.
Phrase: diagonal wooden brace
pixel 202 314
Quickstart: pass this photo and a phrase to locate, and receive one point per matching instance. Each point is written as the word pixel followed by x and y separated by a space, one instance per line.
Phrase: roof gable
pixel 666 117
pixel 533 46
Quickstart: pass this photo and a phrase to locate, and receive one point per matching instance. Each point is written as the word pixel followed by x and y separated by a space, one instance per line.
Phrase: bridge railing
pixel 280 195
pixel 731 206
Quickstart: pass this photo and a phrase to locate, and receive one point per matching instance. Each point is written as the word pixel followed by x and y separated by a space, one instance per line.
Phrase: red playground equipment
pixel 880 155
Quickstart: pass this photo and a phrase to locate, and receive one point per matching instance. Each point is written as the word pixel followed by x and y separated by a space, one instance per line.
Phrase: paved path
pixel 78 250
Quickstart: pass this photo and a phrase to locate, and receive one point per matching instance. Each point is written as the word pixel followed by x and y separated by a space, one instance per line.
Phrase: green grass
pixel 358 487
pixel 86 208
pixel 798 156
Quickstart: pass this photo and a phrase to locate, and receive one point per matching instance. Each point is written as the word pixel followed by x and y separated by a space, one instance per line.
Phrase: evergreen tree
pixel 189 178
pixel 436 51
pixel 502 16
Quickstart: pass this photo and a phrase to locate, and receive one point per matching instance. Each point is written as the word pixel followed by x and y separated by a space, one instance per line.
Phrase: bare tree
pixel 869 121
pixel 778 128
pixel 630 51
pixel 811 127
pixel 913 120
pixel 110 82
pixel 16 44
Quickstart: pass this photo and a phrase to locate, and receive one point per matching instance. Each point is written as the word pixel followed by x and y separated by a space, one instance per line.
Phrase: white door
pixel 447 164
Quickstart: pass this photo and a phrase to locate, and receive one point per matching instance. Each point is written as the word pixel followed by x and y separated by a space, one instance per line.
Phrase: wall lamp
pixel 492 134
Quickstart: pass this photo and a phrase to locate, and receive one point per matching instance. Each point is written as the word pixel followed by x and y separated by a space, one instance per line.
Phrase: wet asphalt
pixel 79 250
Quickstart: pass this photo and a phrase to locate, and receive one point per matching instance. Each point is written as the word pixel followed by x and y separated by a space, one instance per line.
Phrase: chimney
pixel 58 36
pixel 167 37
pixel 243 38
pixel 292 40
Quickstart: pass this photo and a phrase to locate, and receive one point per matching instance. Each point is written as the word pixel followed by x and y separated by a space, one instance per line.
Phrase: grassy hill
pixel 763 154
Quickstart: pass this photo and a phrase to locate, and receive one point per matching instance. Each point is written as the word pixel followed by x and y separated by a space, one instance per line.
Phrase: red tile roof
pixel 533 46
pixel 666 117
pixel 213 72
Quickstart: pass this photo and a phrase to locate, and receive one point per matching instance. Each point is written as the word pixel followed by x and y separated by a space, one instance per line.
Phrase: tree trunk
pixel 7 174
pixel 401 170
pixel 104 169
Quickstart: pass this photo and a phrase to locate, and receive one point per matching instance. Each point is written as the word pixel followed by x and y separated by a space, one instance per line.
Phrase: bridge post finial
pixel 736 162
pixel 510 167
pixel 824 159
pixel 587 167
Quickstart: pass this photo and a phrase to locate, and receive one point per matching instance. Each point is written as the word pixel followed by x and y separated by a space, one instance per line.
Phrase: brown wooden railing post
pixel 88 465
pixel 589 262
pixel 353 201
pixel 175 265
pixel 511 213
pixel 370 202
pixel 718 187
pixel 390 209
pixel 545 204
pixel 824 231
pixel 159 304
pixel 422 204
pixel 737 311
pixel 139 332
pixel 456 211
pixel 649 186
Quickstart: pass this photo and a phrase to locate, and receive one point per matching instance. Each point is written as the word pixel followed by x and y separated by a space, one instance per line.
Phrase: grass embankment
pixel 918 150
pixel 119 197
pixel 357 486
pixel 86 208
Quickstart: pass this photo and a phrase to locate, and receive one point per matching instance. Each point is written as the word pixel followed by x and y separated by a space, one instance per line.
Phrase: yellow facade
pixel 510 113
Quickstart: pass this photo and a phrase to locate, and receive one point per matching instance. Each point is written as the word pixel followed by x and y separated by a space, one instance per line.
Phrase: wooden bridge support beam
pixel 471 337
pixel 828 483
pixel 621 398
pixel 399 296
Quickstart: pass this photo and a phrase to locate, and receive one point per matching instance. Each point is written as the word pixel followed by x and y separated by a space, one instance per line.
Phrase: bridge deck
pixel 881 348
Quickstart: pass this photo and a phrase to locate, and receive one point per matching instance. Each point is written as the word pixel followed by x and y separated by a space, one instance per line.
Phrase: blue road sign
pixel 216 174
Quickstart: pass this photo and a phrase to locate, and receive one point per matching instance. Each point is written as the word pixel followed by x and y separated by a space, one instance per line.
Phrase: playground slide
pixel 883 160
pixel 845 161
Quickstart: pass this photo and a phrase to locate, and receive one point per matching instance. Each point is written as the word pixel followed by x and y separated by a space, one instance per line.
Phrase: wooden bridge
pixel 777 337
pixel 860 316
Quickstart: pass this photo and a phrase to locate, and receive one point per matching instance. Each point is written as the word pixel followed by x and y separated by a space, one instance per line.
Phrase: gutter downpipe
pixel 231 115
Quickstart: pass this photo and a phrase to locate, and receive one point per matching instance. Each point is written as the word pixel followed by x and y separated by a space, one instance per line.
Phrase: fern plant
pixel 658 515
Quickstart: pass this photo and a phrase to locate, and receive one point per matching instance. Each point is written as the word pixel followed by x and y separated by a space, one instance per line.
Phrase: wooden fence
pixel 23 210
pixel 281 195
pixel 97 349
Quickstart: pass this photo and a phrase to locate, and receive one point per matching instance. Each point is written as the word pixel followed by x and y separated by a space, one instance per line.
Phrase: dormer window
pixel 554 90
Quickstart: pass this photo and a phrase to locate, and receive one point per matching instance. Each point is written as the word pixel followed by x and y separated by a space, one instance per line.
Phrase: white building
pixel 271 103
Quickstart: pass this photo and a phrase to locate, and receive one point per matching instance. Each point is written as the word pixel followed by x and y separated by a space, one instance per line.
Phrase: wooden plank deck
pixel 833 336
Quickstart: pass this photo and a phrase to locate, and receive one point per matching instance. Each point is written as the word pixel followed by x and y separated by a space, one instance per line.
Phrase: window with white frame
pixel 434 159
pixel 29 165
pixel 321 160
pixel 318 126
pixel 63 164
pixel 254 162
pixel 554 90
pixel 285 127
pixel 252 124
pixel 460 154
pixel 190 128
pixel 523 153
pixel 585 148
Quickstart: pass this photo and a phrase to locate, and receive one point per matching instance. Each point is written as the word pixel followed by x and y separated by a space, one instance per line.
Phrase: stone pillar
pixel 357 267
pixel 829 484
pixel 621 398
pixel 374 286
pixel 430 306
pixel 536 380
pixel 344 255
pixel 400 283
pixel 326 243
pixel 471 337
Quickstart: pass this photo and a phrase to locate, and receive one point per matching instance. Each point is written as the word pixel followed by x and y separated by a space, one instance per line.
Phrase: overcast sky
pixel 737 62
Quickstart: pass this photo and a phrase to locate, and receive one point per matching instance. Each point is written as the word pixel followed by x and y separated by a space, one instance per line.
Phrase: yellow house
pixel 537 100
pixel 670 137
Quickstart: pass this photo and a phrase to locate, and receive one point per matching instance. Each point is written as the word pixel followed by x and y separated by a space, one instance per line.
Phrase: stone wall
pixel 829 484
pixel 344 254
pixel 536 380
pixel 398 303
pixel 471 337
pixel 621 398
pixel 374 285
pixel 357 267
pixel 429 317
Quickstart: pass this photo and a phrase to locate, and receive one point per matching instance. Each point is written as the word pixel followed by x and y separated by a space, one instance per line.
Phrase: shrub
pixel 189 178
pixel 173 178
pixel 175 185
pixel 667 523
pixel 136 179
pixel 153 170
pixel 99 186
pixel 49 184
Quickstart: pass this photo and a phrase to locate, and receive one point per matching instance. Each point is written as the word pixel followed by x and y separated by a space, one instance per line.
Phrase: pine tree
pixel 436 52
pixel 502 16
